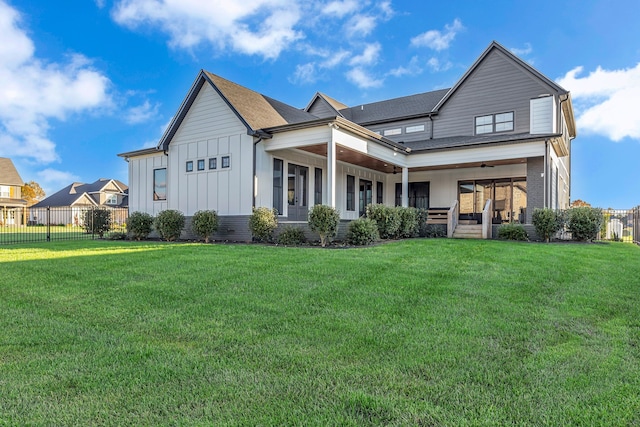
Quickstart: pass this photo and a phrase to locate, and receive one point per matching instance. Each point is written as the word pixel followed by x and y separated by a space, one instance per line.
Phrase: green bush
pixel 512 231
pixel 139 225
pixel 547 222
pixel 584 223
pixel 421 217
pixel 408 222
pixel 324 220
pixel 204 224
pixel 435 230
pixel 262 223
pixel 118 235
pixel 362 231
pixel 291 236
pixel 97 221
pixel 387 219
pixel 169 224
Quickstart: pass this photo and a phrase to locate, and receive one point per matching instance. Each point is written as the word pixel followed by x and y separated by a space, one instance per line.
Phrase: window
pixel 396 131
pixel 379 198
pixel 317 193
pixel 226 162
pixel 112 199
pixel 213 163
pixel 201 164
pixel 190 166
pixel 491 123
pixel 366 195
pixel 5 191
pixel 277 185
pixel 160 184
pixel 416 128
pixel 351 193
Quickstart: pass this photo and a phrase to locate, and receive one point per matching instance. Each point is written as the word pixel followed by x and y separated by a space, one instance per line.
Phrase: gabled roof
pixel 519 62
pixel 255 110
pixel 80 193
pixel 9 174
pixel 394 109
pixel 336 106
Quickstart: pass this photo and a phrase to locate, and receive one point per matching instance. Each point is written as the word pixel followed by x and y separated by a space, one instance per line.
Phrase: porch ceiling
pixel 347 155
pixel 487 164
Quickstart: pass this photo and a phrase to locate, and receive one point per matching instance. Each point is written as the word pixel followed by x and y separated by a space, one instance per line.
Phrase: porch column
pixel 331 168
pixel 405 187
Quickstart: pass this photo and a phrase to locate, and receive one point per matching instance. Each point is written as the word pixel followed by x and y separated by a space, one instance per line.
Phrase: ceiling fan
pixel 484 165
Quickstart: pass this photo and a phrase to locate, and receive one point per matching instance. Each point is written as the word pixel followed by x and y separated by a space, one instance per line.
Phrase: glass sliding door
pixel 509 197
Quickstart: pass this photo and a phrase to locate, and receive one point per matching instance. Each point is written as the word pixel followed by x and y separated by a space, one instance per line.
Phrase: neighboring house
pixel 11 202
pixel 68 205
pixel 502 132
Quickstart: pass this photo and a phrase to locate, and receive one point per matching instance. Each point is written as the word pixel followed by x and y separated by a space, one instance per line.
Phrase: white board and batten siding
pixel 141 183
pixel 211 130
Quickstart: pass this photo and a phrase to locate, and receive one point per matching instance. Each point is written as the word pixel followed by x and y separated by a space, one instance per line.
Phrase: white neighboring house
pixel 502 133
pixel 68 205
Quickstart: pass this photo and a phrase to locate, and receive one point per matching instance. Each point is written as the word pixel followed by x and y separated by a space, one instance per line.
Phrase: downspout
pixel 544 182
pixel 571 138
pixel 430 127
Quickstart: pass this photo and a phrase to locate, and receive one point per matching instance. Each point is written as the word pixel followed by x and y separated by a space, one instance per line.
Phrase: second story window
pixel 491 123
pixel 112 199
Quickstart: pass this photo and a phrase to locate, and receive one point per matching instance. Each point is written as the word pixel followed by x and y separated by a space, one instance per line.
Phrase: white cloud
pixel 100 3
pixel 386 9
pixel 362 79
pixel 33 92
pixel 412 69
pixel 606 101
pixel 436 65
pixel 522 52
pixel 141 113
pixel 368 56
pixel 252 27
pixel 335 59
pixel 360 25
pixel 437 40
pixel 340 8
pixel 305 73
pixel 52 180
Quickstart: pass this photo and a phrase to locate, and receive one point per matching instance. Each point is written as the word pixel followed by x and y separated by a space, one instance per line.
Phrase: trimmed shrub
pixel 118 235
pixel 584 223
pixel 435 230
pixel 291 236
pixel 262 223
pixel 139 225
pixel 362 231
pixel 512 231
pixel 547 222
pixel 97 221
pixel 324 220
pixel 169 224
pixel 408 222
pixel 421 217
pixel 204 224
pixel 387 219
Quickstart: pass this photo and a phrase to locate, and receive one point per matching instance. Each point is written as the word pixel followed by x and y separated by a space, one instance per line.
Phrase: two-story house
pixel 11 203
pixel 489 150
pixel 67 205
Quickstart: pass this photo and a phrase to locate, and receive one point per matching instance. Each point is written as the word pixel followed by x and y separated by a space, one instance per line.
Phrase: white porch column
pixel 331 168
pixel 405 187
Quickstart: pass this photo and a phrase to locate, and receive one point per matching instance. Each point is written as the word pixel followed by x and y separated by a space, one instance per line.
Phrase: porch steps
pixel 437 215
pixel 468 231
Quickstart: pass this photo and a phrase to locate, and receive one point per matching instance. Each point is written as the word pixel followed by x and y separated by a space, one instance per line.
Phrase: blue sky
pixel 82 81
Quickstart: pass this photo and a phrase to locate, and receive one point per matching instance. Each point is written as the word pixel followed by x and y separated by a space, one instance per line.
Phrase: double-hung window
pixel 491 123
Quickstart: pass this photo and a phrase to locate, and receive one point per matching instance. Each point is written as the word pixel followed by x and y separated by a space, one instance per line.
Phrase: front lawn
pixel 418 332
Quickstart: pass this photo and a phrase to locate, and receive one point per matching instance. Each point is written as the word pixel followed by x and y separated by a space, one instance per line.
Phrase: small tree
pixel 408 222
pixel 387 219
pixel 139 225
pixel 262 223
pixel 584 223
pixel 169 224
pixel 97 221
pixel 547 222
pixel 324 220
pixel 32 193
pixel 204 224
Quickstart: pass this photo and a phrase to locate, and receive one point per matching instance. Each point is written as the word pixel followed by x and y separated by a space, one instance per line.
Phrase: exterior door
pixel 366 196
pixel 298 192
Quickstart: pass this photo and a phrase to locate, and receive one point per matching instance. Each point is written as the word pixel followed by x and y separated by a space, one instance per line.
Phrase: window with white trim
pixel 394 131
pixel 112 199
pixel 492 123
pixel 201 164
pixel 415 128
pixel 226 162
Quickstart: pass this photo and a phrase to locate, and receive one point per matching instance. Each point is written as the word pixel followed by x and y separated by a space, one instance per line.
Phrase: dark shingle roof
pixel 72 193
pixel 8 173
pixel 393 109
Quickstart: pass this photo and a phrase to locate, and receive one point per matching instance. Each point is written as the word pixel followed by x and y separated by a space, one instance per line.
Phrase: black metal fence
pixel 621 225
pixel 22 225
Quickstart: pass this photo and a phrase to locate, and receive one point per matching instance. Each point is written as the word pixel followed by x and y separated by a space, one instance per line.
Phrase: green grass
pixel 419 332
